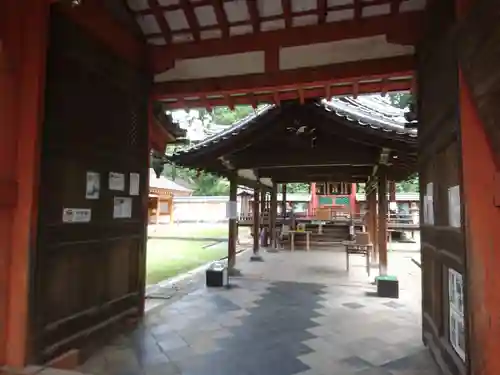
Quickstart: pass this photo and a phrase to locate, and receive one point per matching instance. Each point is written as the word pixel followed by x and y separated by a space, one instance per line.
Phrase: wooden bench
pixel 355 248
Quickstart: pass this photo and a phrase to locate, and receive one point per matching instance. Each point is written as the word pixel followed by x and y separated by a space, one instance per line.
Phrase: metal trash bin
pixel 216 275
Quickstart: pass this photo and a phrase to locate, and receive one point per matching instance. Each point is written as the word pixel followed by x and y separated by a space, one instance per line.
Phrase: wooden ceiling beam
pixel 358 10
pixel 221 17
pixel 159 14
pixel 295 159
pixel 194 27
pixel 401 66
pixel 339 175
pixel 275 97
pixel 406 26
pixel 287 13
pixel 322 11
pixel 253 10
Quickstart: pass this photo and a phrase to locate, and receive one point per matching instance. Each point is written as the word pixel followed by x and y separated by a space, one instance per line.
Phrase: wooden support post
pixel 256 225
pixel 24 33
pixel 392 191
pixel 233 227
pixel 382 221
pixel 264 216
pixel 157 216
pixel 372 222
pixel 283 200
pixel 171 210
pixel 273 213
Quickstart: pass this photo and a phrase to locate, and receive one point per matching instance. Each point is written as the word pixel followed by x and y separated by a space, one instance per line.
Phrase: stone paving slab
pixel 295 313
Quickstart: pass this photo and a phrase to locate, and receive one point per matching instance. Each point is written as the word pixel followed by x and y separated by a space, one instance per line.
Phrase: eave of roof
pixel 382 117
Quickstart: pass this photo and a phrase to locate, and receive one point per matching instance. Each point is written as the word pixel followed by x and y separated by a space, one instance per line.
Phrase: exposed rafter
pixel 403 28
pixel 159 14
pixel 336 73
pixel 287 12
pixel 220 14
pixel 253 10
pixel 194 27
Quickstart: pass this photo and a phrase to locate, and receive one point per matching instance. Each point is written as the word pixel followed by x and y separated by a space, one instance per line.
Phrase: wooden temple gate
pixel 88 277
pixel 96 85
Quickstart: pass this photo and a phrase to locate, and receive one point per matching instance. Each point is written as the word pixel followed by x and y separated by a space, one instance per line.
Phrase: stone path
pixel 295 313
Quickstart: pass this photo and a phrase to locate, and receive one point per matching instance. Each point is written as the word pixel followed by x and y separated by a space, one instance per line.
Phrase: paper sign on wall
pixel 454 218
pixel 231 210
pixel 134 183
pixel 122 207
pixel 116 181
pixel 93 186
pixel 76 215
pixel 429 204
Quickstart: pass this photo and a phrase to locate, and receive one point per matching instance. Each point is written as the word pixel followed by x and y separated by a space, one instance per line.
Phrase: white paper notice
pixel 93 187
pixel 429 204
pixel 454 218
pixel 134 183
pixel 76 215
pixel 116 181
pixel 122 208
pixel 231 210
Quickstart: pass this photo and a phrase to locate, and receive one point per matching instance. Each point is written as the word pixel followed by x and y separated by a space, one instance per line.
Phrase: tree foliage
pixel 400 99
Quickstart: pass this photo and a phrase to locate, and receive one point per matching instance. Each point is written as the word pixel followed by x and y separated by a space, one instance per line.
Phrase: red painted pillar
pixel 352 200
pixel 313 204
pixel 482 220
pixel 23 34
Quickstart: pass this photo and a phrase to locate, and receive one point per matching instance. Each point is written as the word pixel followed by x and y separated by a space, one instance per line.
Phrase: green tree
pixel 226 116
pixel 400 99
pixel 411 185
pixel 297 188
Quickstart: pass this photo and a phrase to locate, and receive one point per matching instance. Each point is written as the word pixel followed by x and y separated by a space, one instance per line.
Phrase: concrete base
pixel 387 286
pixel 234 272
pixel 273 250
pixel 256 258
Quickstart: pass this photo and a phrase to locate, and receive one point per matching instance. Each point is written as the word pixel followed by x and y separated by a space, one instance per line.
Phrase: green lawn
pixel 192 231
pixel 167 258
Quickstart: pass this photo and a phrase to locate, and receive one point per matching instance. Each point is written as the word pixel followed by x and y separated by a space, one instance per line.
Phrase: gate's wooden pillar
pixel 382 221
pixel 232 237
pixel 158 213
pixel 23 38
pixel 274 208
pixel 256 220
pixel 264 216
pixel 283 200
pixel 372 221
pixel 480 195
pixel 256 225
pixel 171 210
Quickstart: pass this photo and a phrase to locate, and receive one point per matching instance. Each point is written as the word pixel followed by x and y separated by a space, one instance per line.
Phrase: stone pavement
pixel 296 313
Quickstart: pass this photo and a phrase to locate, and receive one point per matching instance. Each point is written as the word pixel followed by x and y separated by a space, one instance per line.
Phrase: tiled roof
pixel 371 111
pixel 165 183
pixel 363 111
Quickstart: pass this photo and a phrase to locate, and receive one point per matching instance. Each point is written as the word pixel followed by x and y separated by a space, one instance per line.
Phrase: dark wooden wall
pixel 88 276
pixel 442 246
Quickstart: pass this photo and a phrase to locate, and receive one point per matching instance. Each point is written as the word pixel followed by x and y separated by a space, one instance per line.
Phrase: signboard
pixel 231 210
pixel 134 183
pixel 76 215
pixel 122 207
pixel 93 186
pixel 454 219
pixel 116 181
pixel 429 204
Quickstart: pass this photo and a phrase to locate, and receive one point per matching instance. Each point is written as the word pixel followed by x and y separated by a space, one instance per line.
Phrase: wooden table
pixel 351 247
pixel 292 238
